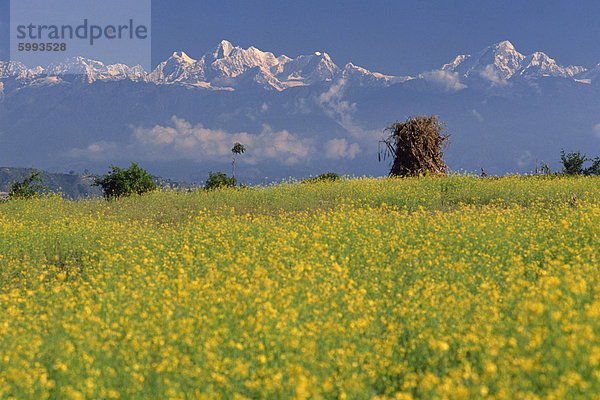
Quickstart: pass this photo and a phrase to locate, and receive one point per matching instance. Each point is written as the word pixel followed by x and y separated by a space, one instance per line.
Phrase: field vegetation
pixel 413 288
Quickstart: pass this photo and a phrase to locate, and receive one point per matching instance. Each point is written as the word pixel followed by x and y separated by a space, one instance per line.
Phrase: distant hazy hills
pixel 296 116
pixel 72 186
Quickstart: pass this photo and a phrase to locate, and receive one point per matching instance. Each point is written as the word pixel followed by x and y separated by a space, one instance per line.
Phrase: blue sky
pixel 395 37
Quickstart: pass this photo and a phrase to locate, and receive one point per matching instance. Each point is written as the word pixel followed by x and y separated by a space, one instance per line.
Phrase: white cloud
pixel 334 93
pixel 342 110
pixel 282 146
pixel 97 151
pixel 491 74
pixel 597 130
pixel 446 79
pixel 477 115
pixel 302 106
pixel 336 107
pixel 181 140
pixel 339 148
pixel 524 158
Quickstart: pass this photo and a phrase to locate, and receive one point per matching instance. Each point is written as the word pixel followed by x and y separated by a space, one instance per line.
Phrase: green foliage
pixel 572 162
pixel 125 182
pixel 594 169
pixel 327 177
pixel 238 148
pixel 219 180
pixel 28 187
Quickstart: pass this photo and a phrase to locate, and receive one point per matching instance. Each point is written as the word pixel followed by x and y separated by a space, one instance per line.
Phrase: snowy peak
pixel 454 64
pixel 230 66
pixel 12 69
pixel 76 65
pixel 131 72
pixel 500 62
pixel 539 64
pixel 366 77
pixel 223 50
pixel 92 70
pixel 497 62
pixel 182 57
pixel 504 47
pixel 313 68
pixel 355 69
pixel 539 61
pixel 232 61
pixel 588 75
pixel 179 68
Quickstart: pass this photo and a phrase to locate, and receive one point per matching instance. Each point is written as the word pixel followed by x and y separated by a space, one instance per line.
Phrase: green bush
pixel 219 180
pixel 125 182
pixel 573 164
pixel 328 177
pixel 28 187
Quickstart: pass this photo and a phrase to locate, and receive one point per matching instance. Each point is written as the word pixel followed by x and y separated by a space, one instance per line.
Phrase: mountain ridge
pixel 228 65
pixel 502 61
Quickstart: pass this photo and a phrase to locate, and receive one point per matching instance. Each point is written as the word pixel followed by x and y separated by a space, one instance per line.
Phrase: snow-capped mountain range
pixel 296 116
pixel 501 62
pixel 225 68
pixel 229 67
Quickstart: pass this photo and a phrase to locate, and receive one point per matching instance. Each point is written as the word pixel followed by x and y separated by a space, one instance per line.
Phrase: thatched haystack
pixel 417 146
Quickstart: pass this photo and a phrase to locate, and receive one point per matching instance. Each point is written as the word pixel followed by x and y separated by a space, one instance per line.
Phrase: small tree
pixel 417 146
pixel 219 180
pixel 572 162
pixel 125 182
pixel 28 187
pixel 237 149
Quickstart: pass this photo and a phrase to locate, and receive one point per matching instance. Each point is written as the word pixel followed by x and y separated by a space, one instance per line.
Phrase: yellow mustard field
pixel 428 288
